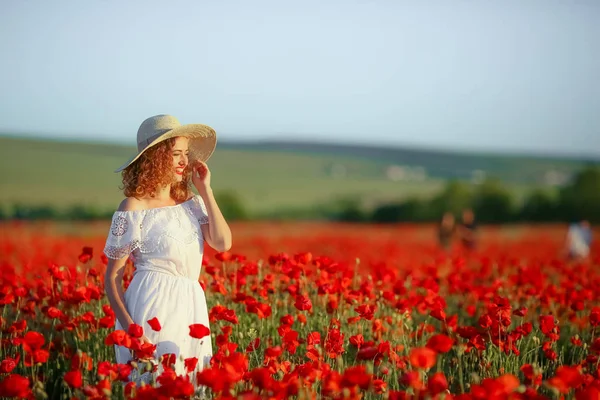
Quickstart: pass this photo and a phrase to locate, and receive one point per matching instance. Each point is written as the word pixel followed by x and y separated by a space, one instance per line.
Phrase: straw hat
pixel 203 138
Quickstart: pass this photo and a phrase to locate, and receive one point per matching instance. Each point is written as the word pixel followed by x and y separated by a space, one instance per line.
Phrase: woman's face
pixel 180 157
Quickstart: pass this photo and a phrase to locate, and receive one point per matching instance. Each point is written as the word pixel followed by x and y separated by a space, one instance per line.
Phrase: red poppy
pixel 334 343
pixel 135 331
pixel 379 386
pixel 356 376
pixel 33 341
pixel 439 314
pixel 313 338
pixel 254 344
pixel 53 312
pixel 168 360
pixel 357 340
pixel 533 375
pixel 191 363
pixel 8 364
pixel 520 312
pixel 15 385
pixel 547 324
pixel 38 356
pixel 413 380
pixel 422 357
pixel 74 379
pixel 440 343
pixel 290 341
pixel 199 331
pixel 437 383
pixel 566 378
pixel 303 303
pixel 118 337
pixel 86 254
pixel 219 312
pixel 154 324
pixel 595 316
pixel 366 311
pixel 143 351
pixel 107 321
pixel 225 256
pixel 82 361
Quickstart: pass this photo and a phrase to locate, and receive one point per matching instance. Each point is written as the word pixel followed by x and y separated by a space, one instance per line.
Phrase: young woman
pixel 163 226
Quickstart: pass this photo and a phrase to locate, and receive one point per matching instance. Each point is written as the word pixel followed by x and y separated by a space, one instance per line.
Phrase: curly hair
pixel 153 169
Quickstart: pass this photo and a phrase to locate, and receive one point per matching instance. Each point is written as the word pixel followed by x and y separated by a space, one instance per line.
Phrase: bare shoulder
pixel 132 204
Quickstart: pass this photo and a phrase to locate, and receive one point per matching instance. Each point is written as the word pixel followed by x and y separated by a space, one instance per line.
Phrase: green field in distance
pixel 65 173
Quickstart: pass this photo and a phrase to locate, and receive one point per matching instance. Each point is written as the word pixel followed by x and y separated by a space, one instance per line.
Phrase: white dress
pixel 167 248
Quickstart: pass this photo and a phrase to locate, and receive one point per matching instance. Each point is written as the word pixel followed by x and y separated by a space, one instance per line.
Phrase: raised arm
pixel 217 232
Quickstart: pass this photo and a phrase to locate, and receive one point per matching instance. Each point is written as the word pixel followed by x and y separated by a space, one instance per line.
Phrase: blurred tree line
pixel 229 203
pixel 491 201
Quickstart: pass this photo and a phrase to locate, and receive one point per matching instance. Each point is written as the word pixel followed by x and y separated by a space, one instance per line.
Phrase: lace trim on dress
pixel 198 210
pixel 134 230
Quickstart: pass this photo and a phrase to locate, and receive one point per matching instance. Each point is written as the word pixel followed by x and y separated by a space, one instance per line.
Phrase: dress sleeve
pixel 124 235
pixel 199 210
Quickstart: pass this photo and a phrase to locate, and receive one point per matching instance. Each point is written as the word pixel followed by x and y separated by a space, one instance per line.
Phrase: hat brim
pixel 203 141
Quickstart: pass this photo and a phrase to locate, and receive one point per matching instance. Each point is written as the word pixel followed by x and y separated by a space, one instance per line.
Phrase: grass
pixel 63 174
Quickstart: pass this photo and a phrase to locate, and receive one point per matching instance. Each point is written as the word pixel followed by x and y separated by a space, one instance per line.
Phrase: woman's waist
pixel 169 272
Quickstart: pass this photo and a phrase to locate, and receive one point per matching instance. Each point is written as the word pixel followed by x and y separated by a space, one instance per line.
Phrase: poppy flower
pixel 53 312
pixel 7 365
pixel 74 379
pixel 154 324
pixel 440 343
pixel 118 337
pixel 86 254
pixel 302 303
pixel 438 314
pixel 199 331
pixel 15 385
pixel 33 341
pixel 135 330
pixel 356 376
pixel 254 344
pixel 422 357
pixel 191 363
pixel 357 340
pixel 437 383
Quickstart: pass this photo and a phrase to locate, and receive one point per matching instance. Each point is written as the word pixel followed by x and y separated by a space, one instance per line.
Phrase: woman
pixel 164 227
pixel 446 230
pixel 578 241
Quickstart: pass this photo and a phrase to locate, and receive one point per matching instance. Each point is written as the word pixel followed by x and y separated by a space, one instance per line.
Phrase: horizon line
pixel 569 156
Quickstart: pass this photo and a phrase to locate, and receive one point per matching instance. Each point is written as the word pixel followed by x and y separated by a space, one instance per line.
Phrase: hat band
pixel 150 139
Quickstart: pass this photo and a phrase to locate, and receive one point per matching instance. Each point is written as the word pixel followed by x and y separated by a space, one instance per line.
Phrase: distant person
pixel 467 229
pixel 446 230
pixel 165 226
pixel 579 240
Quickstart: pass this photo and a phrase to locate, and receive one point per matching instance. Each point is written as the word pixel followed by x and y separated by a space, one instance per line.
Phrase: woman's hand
pixel 144 340
pixel 145 352
pixel 201 176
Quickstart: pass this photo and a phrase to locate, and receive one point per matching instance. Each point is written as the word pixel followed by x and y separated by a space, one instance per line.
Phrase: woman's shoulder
pixel 132 204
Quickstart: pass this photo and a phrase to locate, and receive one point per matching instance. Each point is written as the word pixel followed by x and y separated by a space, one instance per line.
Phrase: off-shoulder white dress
pixel 167 247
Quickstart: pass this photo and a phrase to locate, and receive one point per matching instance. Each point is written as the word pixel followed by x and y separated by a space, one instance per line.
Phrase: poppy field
pixel 314 310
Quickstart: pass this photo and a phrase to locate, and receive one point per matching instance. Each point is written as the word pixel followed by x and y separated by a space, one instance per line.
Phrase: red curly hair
pixel 153 169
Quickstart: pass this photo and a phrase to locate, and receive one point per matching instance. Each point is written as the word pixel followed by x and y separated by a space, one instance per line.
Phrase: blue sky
pixel 506 75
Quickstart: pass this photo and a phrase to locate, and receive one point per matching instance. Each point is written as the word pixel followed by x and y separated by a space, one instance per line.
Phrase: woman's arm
pixel 216 233
pixel 114 290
